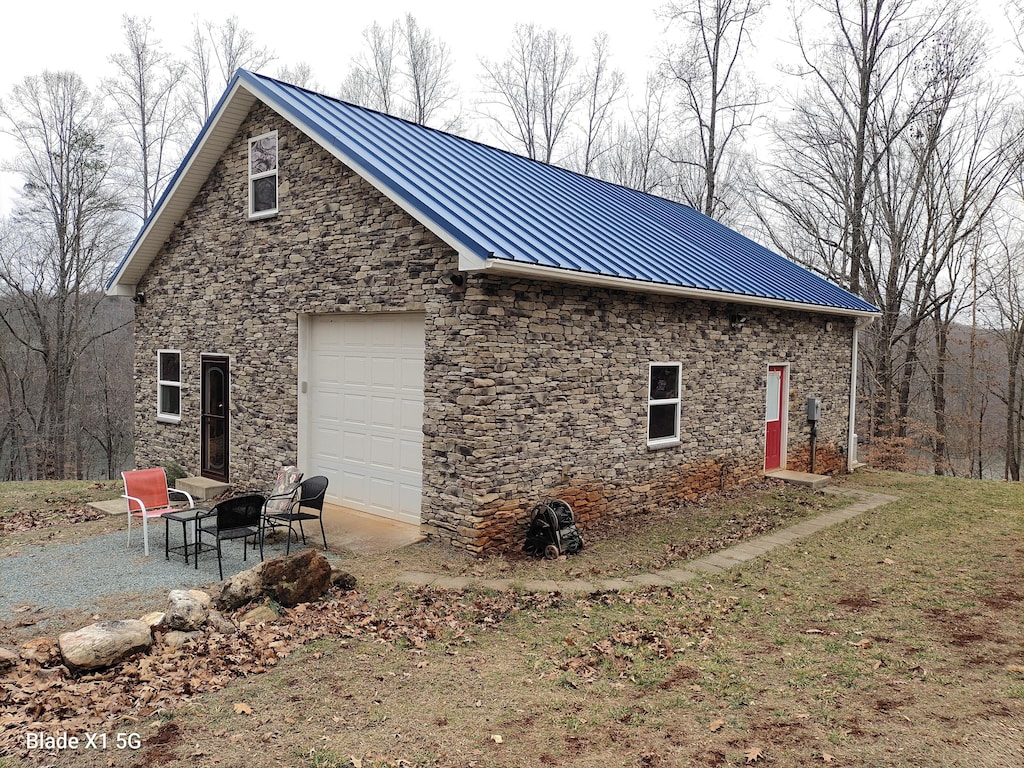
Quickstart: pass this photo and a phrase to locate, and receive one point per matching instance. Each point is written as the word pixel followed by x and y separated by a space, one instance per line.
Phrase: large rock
pixel 187 609
pixel 259 614
pixel 104 644
pixel 221 623
pixel 300 578
pixel 241 588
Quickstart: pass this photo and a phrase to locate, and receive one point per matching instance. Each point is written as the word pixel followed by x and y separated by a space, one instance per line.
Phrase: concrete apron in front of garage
pixel 346 528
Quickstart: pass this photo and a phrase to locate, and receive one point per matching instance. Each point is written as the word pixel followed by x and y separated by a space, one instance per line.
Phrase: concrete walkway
pixel 718 562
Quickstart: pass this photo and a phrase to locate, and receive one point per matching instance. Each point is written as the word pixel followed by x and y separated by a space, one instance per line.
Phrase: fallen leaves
pixel 753 754
pixel 27 520
pixel 36 694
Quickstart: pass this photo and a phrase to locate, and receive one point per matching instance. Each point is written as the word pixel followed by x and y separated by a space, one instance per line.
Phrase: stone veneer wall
pixel 230 286
pixel 531 388
pixel 551 399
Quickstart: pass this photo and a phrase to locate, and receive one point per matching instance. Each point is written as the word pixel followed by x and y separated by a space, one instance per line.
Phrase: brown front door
pixel 215 391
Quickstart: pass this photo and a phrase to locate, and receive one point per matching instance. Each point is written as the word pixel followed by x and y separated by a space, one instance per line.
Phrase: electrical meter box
pixel 813 408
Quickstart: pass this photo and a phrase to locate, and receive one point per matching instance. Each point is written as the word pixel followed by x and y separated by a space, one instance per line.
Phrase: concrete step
pixel 800 478
pixel 201 488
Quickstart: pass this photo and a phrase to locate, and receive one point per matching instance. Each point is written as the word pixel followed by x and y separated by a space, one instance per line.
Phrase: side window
pixel 263 175
pixel 663 404
pixel 168 385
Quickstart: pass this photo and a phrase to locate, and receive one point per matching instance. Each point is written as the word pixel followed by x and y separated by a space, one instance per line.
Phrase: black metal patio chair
pixel 237 518
pixel 308 506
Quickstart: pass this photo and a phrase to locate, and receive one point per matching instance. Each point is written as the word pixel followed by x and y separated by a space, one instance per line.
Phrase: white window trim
pixel 167 418
pixel 664 442
pixel 254 214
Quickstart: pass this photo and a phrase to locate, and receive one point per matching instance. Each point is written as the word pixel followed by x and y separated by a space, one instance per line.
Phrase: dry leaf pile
pixel 27 520
pixel 39 696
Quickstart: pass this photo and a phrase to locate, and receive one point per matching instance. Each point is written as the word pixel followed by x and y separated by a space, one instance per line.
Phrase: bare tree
pixel 301 75
pixel 404 71
pixel 536 86
pixel 374 78
pixel 428 70
pixel 889 174
pixel 602 88
pixel 635 157
pixel 717 101
pixel 215 53
pixel 1006 275
pixel 145 94
pixel 67 229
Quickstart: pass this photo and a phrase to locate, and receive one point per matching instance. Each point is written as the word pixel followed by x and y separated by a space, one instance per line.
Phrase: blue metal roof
pixel 506 208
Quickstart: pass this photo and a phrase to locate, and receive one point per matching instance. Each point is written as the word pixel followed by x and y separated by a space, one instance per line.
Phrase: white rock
pixel 104 644
pixel 187 610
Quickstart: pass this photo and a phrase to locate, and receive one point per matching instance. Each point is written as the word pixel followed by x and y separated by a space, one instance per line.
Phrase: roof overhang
pixel 221 129
pixel 506 267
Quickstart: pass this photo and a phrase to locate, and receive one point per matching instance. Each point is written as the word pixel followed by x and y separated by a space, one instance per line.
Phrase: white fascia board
pixel 540 272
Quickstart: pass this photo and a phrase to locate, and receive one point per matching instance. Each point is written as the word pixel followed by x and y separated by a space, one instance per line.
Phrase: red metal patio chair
pixel 148 496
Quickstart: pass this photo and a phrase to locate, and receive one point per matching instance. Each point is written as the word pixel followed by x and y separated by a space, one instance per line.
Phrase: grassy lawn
pixel 894 639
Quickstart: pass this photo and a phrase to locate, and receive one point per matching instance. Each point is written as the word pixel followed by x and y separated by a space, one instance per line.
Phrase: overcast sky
pixel 81 36
pixel 63 35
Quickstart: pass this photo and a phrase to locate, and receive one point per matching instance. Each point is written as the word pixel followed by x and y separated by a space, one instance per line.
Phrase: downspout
pixel 851 436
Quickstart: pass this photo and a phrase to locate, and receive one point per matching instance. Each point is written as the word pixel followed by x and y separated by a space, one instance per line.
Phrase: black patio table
pixel 185 516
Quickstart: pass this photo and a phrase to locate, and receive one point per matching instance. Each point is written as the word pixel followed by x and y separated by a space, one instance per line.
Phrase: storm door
pixel 214 419
pixel 775 419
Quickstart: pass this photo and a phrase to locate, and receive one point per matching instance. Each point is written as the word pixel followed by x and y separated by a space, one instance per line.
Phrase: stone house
pixel 450 332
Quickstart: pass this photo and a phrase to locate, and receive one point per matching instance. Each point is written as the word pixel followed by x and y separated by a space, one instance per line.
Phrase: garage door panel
pixel 366 422
pixel 382 452
pixel 353 446
pixel 410 456
pixel 384 371
pixel 382 492
pixel 383 413
pixel 354 369
pixel 356 410
pixel 411 374
pixel 352 487
pixel 411 416
pixel 326 403
pixel 409 501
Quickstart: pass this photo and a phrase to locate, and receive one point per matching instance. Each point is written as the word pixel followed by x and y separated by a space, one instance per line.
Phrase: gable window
pixel 168 385
pixel 663 404
pixel 263 175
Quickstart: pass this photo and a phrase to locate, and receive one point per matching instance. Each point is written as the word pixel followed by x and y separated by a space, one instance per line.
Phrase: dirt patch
pixel 1005 600
pixel 160 745
pixel 860 601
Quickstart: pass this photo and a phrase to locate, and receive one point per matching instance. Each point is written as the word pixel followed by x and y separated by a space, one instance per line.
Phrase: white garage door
pixel 365 423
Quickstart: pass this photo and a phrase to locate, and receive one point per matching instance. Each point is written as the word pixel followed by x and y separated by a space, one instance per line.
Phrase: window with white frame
pixel 263 175
pixel 663 404
pixel 168 385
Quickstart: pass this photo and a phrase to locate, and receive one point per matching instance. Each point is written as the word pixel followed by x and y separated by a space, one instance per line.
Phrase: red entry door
pixel 774 415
